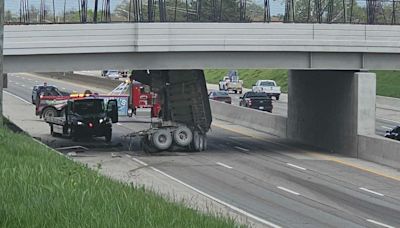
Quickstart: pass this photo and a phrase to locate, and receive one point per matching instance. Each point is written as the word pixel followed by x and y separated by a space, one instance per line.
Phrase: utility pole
pixel 1 59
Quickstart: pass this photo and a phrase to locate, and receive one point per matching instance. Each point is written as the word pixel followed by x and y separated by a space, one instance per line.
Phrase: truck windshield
pixel 267 84
pixel 87 107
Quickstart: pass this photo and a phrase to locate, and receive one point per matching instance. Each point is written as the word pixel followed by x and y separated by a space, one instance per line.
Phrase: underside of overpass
pixel 329 109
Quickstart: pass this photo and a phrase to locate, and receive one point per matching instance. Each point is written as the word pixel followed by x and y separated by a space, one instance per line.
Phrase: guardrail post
pixel 1 59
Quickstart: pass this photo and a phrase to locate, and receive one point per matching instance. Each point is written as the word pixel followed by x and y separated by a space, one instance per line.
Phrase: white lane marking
pixel 373 192
pixel 119 124
pixel 296 166
pixel 379 223
pixel 23 85
pixel 140 162
pixel 19 98
pixel 64 88
pixel 288 190
pixel 388 120
pixel 37 81
pixel 224 165
pixel 389 128
pixel 128 155
pixel 243 212
pixel 17 83
pixel 241 148
pixel 29 79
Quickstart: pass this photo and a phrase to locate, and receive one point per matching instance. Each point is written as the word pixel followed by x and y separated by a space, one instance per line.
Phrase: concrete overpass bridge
pixel 67 47
pixel 330 104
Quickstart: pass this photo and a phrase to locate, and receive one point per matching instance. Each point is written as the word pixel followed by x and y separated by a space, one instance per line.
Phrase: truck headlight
pixel 103 120
pixel 79 123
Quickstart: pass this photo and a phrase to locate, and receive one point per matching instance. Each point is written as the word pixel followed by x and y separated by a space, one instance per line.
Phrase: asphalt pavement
pixel 269 180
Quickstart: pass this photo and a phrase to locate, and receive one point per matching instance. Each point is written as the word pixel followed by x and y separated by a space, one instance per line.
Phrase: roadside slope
pixel 40 188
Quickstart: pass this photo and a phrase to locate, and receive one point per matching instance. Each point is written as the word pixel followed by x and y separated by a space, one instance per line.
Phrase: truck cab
pixel 86 117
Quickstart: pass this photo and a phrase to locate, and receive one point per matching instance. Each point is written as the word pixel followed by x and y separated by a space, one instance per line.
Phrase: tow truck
pixel 85 116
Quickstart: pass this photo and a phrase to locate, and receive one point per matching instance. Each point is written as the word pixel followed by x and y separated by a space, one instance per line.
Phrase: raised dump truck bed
pixel 185 109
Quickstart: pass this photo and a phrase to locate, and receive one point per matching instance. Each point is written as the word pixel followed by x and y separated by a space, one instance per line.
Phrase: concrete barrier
pixel 380 150
pixel 103 83
pixel 259 120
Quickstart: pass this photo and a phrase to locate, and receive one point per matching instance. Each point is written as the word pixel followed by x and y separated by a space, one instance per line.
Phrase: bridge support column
pixel 329 109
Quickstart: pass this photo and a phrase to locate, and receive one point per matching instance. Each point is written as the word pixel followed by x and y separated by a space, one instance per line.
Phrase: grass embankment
pixel 387 82
pixel 39 188
pixel 250 77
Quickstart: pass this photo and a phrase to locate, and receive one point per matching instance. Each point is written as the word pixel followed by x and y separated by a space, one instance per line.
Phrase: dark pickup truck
pixel 260 101
pixel 85 117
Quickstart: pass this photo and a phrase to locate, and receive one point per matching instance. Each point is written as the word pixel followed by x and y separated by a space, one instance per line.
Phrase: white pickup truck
pixel 269 87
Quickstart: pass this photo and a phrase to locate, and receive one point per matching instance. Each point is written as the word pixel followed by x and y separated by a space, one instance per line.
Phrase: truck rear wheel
pixel 183 136
pixel 49 112
pixel 277 98
pixel 195 144
pixel 162 139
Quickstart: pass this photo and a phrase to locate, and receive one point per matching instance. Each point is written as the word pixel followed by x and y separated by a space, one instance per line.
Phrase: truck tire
pixel 240 92
pixel 108 136
pixel 183 136
pixel 205 144
pixel 162 139
pixel 49 112
pixel 277 97
pixel 146 145
pixel 195 144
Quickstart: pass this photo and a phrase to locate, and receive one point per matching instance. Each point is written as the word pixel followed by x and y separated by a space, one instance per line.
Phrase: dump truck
pixel 185 115
pixel 85 117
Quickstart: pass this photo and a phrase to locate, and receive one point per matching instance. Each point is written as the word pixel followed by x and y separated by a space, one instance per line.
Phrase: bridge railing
pixel 241 11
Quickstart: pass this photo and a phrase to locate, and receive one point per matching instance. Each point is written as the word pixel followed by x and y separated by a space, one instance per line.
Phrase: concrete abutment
pixel 330 108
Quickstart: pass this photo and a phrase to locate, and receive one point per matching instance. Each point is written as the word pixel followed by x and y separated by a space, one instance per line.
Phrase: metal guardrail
pixel 234 11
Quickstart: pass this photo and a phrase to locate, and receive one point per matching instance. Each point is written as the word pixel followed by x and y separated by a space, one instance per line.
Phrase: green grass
pixel 387 82
pixel 39 188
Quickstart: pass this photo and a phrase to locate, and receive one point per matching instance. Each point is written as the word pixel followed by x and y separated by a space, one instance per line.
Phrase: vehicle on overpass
pixel 260 101
pixel 185 115
pixel 269 87
pixel 394 133
pixel 231 82
pixel 85 117
pixel 44 90
pixel 222 96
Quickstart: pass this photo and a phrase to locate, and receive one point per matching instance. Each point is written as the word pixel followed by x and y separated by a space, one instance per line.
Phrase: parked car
pixel 269 87
pixel 44 90
pixel 394 133
pixel 220 96
pixel 260 101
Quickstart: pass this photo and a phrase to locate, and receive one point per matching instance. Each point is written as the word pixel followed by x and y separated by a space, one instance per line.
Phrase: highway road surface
pixel 271 181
